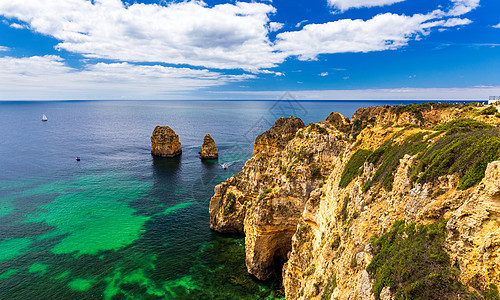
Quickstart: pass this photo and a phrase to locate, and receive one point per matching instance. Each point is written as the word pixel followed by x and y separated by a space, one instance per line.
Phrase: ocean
pixel 120 223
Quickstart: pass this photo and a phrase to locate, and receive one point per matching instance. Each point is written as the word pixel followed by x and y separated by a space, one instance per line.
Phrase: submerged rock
pixel 208 149
pixel 164 142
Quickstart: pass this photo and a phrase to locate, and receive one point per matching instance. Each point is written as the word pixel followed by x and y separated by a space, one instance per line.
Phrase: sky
pixel 315 49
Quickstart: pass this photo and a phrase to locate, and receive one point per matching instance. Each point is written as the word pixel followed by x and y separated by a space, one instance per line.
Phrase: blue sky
pixel 316 49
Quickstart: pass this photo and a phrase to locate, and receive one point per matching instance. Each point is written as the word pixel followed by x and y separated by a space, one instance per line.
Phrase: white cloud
pixel 344 5
pixel 48 77
pixel 497 26
pixel 382 32
pixel 17 26
pixel 3 48
pixel 456 22
pixel 275 26
pixel 461 7
pixel 301 23
pixel 226 36
pixel 323 74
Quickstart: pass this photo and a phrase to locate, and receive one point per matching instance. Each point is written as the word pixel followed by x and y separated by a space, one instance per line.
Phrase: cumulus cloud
pixel 3 48
pixel 275 26
pixel 323 74
pixel 17 26
pixel 461 7
pixel 382 32
pixel 226 36
pixel 344 5
pixel 497 26
pixel 48 77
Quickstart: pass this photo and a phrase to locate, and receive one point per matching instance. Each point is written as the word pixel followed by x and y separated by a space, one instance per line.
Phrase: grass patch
pixel 317 128
pixel 412 262
pixel 462 125
pixel 316 173
pixel 264 193
pixel 343 211
pixel 466 153
pixel 230 202
pixel 351 170
pixel 329 287
pixel 388 155
pixel 490 110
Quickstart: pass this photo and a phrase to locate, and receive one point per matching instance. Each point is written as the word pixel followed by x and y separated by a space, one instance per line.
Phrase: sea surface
pixel 120 223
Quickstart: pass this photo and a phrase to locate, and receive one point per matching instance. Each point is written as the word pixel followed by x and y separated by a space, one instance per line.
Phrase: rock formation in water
pixel 336 201
pixel 208 149
pixel 164 142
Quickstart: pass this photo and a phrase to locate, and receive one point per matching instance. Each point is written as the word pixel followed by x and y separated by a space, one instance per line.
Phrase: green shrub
pixel 351 170
pixel 466 153
pixel 317 128
pixel 330 286
pixel 490 110
pixel 491 293
pixel 387 158
pixel 230 201
pixel 412 262
pixel 343 211
pixel 462 125
pixel 316 173
pixel 264 193
pixel 336 242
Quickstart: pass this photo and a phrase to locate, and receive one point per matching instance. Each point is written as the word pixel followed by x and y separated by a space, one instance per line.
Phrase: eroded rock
pixel 208 149
pixel 164 142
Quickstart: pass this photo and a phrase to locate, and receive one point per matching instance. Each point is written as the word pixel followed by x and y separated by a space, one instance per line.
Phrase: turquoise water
pixel 121 224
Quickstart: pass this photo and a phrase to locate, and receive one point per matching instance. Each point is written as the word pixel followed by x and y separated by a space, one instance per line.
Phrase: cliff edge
pixel 400 202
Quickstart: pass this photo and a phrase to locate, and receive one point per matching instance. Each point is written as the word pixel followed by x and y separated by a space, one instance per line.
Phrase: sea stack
pixel 164 142
pixel 208 149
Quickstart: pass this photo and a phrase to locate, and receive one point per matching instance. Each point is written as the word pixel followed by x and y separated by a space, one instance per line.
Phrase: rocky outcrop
pixel 164 142
pixel 278 136
pixel 266 199
pixel 208 149
pixel 289 203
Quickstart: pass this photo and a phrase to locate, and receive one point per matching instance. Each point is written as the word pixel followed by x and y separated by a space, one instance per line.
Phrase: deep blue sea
pixel 120 223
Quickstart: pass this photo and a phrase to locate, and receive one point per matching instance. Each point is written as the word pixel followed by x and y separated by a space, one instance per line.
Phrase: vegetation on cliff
pixel 412 262
pixel 314 196
pixel 465 148
pixel 466 153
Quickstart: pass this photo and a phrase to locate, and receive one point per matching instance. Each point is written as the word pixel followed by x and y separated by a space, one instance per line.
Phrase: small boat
pixel 78 158
pixel 44 118
pixel 226 165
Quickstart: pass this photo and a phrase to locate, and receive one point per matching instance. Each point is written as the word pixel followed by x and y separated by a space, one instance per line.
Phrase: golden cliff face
pixel 321 201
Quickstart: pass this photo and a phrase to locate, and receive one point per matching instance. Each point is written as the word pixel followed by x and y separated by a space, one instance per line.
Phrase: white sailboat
pixel 44 118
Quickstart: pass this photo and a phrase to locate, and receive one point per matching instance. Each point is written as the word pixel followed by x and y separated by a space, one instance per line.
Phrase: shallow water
pixel 121 223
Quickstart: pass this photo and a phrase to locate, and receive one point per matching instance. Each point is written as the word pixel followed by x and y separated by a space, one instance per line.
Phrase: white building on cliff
pixel 494 100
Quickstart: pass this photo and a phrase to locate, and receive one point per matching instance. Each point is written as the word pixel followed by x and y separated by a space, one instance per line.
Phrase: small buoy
pixel 78 158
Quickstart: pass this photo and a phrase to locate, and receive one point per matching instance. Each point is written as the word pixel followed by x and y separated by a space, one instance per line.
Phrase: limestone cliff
pixel 164 142
pixel 208 149
pixel 331 200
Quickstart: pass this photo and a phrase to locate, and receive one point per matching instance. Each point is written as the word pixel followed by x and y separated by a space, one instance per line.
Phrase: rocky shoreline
pixel 316 203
